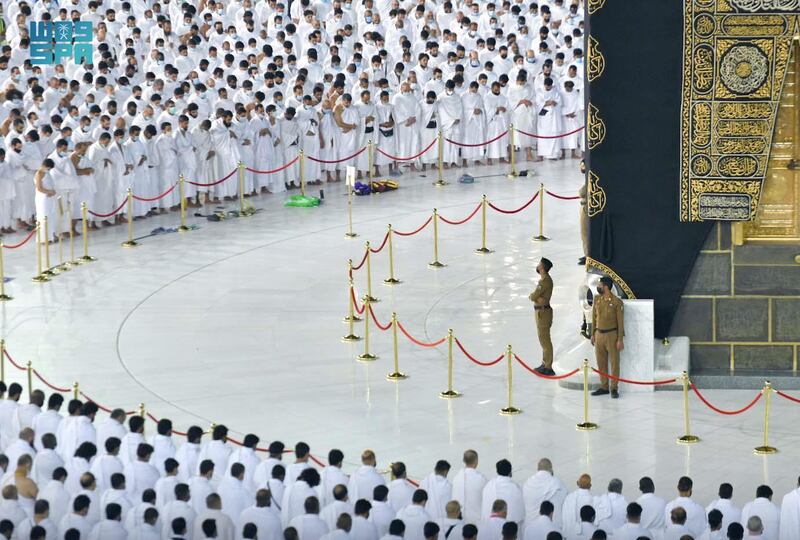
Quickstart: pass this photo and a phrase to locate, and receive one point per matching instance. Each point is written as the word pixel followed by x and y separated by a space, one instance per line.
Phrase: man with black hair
pixel 414 516
pixel 542 525
pixel 632 530
pixel 217 450
pixel 724 504
pixel 763 507
pixel 503 487
pixel 111 527
pixel 263 516
pixel 695 515
pixel 363 528
pixel 188 454
pixel 8 411
pixel 332 476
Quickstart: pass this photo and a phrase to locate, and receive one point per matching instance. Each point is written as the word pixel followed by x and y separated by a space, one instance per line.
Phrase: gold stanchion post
pixel 3 296
pixel 391 280
pixel 688 438
pixel 48 270
pixel 541 237
pixel 142 414
pixel 369 296
pixel 439 160
pixel 370 160
pixel 40 276
pixel 395 375
pixel 240 169
pixel 483 250
pixel 766 448
pixel 302 156
pixel 449 393
pixel 367 356
pixel 510 409
pixel 182 195
pixel 62 266
pixel 85 229
pixel 72 260
pixel 350 233
pixel 436 263
pixel 586 425
pixel 351 315
pixel 512 151
pixel 75 390
pixel 2 360
pixel 130 242
pixel 29 369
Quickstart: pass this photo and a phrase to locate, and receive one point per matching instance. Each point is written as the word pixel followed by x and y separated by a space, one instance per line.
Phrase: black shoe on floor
pixel 549 372
pixel 541 369
pixel 582 261
pixel 600 392
pixel 614 394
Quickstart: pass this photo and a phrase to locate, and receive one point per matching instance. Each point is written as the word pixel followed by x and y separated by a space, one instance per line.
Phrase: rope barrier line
pixel 411 158
pixel 24 241
pixel 418 342
pixel 562 197
pixel 520 209
pixel 8 356
pixel 787 396
pixel 383 244
pixel 415 231
pixel 355 303
pixel 330 161
pixel 535 136
pixel 461 222
pixel 273 171
pixel 542 375
pixel 475 360
pixel 723 411
pixel 486 143
pixel 378 324
pixel 49 385
pixel 215 182
pixel 101 407
pixel 113 212
pixel 157 197
pixel 359 265
pixel 629 381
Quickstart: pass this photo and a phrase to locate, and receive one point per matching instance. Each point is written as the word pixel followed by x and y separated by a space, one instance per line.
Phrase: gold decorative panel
pixel 596 132
pixel 596 62
pixel 596 200
pixel 736 54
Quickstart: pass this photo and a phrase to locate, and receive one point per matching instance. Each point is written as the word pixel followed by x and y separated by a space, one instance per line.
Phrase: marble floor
pixel 239 322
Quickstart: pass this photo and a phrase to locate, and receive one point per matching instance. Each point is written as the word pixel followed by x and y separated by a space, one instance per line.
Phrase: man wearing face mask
pixel 544 314
pixel 608 331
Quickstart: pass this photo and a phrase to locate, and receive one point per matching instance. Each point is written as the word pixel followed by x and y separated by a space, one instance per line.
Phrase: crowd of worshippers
pixel 75 477
pixel 192 88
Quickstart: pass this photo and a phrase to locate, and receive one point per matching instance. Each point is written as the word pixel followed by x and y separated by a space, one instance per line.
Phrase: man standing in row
pixel 608 330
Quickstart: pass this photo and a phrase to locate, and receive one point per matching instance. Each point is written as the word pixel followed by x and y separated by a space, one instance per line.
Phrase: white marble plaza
pixel 239 322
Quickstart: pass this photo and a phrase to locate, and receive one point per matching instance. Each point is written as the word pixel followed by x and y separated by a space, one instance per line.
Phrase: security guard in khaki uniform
pixel 608 330
pixel 584 217
pixel 544 315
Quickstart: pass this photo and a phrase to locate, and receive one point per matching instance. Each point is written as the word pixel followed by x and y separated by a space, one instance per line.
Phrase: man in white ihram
pixel 543 486
pixel 543 525
pixel 763 507
pixel 414 516
pixel 439 490
pixel 695 514
pixel 364 478
pixel 632 530
pixel 611 507
pixel 724 504
pixel 790 514
pixel 503 487
pixel 468 486
pixel 571 517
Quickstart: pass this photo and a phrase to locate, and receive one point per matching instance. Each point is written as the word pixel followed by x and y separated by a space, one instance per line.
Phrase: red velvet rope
pixel 467 145
pixel 19 367
pixel 25 241
pixel 418 342
pixel 469 217
pixel 415 231
pixel 273 171
pixel 214 183
pixel 355 302
pixel 723 411
pixel 157 197
pixel 378 324
pixel 520 209
pixel 383 244
pixel 787 396
pixel 542 375
pixel 475 360
pixel 411 158
pixel 348 158
pixel 562 197
pixel 113 212
pixel 535 136
pixel 53 387
pixel 359 265
pixel 102 408
pixel 629 381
